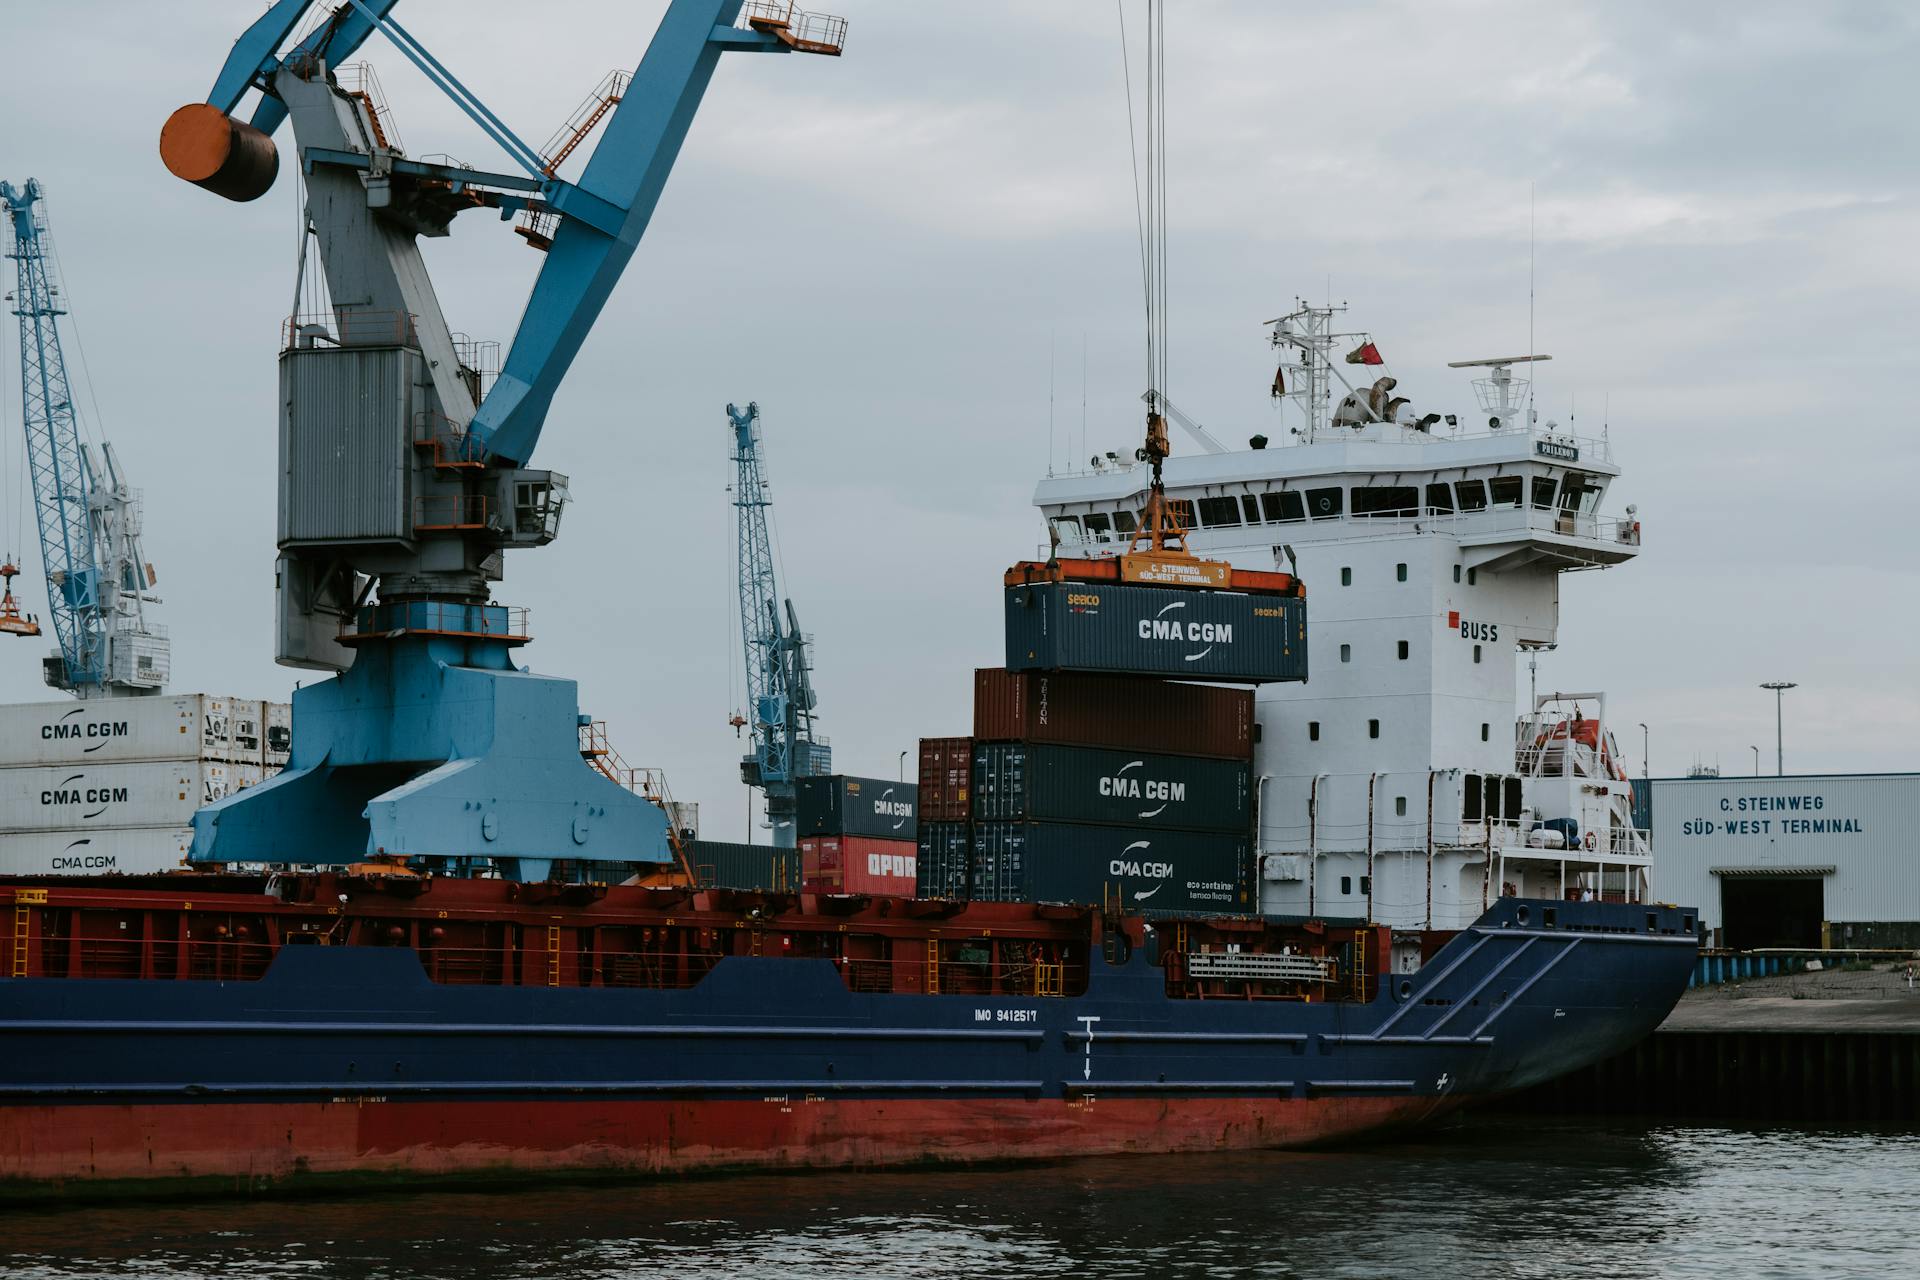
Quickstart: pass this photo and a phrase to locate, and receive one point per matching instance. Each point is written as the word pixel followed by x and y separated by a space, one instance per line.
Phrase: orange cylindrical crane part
pixel 209 148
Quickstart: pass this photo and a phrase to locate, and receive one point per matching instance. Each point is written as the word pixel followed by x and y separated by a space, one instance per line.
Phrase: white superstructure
pixel 1399 783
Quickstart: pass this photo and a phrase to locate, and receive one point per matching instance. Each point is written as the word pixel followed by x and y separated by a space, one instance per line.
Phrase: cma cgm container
pixel 1179 632
pixel 141 794
pixel 194 726
pixel 846 806
pixel 109 851
pixel 730 865
pixel 1018 781
pixel 946 779
pixel 1062 862
pixel 859 864
pixel 1123 712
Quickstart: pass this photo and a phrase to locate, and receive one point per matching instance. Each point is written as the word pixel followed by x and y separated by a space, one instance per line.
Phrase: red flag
pixel 1365 353
pixel 1280 381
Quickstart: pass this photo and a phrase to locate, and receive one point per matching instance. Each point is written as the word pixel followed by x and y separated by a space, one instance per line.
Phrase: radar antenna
pixel 1503 397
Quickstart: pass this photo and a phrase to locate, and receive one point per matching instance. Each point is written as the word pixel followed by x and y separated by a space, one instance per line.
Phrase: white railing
pixel 1515 521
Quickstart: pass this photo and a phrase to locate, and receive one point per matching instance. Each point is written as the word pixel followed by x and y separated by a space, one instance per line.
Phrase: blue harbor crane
pixel 779 664
pixel 98 578
pixel 405 461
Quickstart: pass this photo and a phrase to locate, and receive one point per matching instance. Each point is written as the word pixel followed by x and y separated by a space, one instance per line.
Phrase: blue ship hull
pixel 348 1062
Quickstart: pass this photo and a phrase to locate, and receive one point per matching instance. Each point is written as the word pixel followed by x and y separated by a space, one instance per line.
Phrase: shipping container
pixel 945 866
pixel 946 778
pixel 730 865
pixel 1181 633
pixel 1123 712
pixel 1141 871
pixel 192 726
pixel 109 851
pixel 859 864
pixel 137 794
pixel 841 805
pixel 1016 781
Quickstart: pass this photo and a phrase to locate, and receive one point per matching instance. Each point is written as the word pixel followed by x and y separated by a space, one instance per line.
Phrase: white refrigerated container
pixel 191 726
pixel 147 793
pixel 109 851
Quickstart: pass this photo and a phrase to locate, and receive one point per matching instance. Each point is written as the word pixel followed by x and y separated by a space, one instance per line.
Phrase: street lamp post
pixel 1756 760
pixel 1779 688
pixel 1646 761
pixel 903 766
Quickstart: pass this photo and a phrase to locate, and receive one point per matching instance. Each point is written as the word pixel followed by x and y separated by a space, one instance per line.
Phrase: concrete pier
pixel 1831 1045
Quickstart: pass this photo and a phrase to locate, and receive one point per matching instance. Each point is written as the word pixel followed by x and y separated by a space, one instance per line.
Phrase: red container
pixel 858 864
pixel 946 779
pixel 1129 712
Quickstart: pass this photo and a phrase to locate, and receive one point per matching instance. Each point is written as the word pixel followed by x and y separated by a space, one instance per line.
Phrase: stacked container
pixel 111 784
pixel 1104 789
pixel 858 835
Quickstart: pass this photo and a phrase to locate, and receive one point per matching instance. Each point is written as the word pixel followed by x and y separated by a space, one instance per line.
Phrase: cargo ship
pixel 439 945
pixel 210 1034
pixel 1088 973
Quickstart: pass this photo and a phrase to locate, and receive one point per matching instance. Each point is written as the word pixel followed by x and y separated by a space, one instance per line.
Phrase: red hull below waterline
pixel 256 1146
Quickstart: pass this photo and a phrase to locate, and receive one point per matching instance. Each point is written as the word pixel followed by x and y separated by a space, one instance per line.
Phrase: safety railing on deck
pixel 347 327
pixel 807 32
pixel 439 617
pixel 1508 518
pixel 436 512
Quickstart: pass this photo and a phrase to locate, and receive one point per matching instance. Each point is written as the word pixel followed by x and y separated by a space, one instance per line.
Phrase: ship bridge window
pixel 1123 521
pixel 1325 504
pixel 1507 490
pixel 1283 508
pixel 1183 512
pixel 1251 505
pixel 1066 528
pixel 1220 512
pixel 1543 492
pixel 1440 498
pixel 1473 495
pixel 1386 500
pixel 1098 525
pixel 1578 496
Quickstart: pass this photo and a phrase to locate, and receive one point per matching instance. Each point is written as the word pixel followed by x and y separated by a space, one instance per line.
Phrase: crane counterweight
pixel 205 146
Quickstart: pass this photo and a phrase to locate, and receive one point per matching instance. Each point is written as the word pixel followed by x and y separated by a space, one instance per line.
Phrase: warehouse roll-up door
pixel 1771 906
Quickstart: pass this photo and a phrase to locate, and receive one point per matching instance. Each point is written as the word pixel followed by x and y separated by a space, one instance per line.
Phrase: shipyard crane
pixel 405 472
pixel 779 663
pixel 99 582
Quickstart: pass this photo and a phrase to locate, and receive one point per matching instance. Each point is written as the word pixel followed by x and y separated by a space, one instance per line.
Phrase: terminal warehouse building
pixel 1821 860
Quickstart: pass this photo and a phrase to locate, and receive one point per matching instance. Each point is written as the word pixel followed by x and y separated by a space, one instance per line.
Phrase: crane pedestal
pixel 436 748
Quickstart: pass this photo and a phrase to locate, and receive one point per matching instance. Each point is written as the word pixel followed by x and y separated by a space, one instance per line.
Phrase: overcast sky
pixel 882 249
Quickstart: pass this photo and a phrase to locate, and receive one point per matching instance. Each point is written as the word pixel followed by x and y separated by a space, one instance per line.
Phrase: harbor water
pixel 1504 1196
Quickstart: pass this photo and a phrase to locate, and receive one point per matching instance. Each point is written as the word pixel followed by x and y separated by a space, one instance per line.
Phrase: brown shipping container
pixel 1135 713
pixel 946 779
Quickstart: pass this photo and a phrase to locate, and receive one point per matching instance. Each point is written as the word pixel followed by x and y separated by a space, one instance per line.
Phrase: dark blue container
pixel 1037 782
pixel 842 805
pixel 1183 633
pixel 944 868
pixel 1144 871
pixel 730 865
